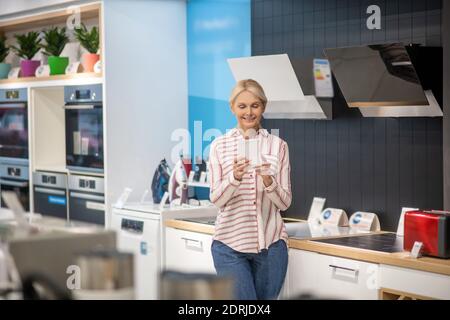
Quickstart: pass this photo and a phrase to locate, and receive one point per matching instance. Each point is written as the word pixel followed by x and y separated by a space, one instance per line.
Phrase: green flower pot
pixel 4 70
pixel 58 65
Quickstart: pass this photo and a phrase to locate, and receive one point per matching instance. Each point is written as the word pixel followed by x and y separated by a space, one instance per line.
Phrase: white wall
pixel 145 67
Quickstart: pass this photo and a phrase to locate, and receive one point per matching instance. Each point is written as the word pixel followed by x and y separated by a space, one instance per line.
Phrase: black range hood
pixel 390 80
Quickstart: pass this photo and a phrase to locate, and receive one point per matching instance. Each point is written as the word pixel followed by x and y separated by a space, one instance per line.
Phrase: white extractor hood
pixel 286 99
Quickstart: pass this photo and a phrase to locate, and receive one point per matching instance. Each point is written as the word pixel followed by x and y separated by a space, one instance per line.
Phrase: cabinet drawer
pixel 417 282
pixel 342 278
pixel 188 251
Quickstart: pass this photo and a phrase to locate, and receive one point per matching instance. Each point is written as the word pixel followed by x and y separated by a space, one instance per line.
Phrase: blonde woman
pixel 250 239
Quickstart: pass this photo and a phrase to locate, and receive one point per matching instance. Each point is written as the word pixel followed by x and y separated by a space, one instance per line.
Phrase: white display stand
pixel 316 209
pixel 365 221
pixel 333 217
pixel 400 227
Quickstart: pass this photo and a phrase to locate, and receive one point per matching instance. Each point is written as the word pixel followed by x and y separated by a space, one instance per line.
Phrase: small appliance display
pixel 431 228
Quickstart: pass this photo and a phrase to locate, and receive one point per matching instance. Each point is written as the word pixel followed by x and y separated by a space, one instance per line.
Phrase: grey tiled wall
pixel 370 164
pixel 302 28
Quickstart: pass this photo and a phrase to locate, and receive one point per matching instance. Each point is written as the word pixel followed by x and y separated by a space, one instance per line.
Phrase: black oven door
pixel 19 187
pixel 84 137
pixel 13 130
pixel 87 207
pixel 50 202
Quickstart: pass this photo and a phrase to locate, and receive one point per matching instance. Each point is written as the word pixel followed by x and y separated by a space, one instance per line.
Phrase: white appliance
pixel 140 230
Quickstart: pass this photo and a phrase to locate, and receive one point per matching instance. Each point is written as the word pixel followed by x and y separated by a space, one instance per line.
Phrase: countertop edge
pixel 399 259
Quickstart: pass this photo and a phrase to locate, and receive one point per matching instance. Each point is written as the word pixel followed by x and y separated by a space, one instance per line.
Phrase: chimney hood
pixel 289 86
pixel 390 80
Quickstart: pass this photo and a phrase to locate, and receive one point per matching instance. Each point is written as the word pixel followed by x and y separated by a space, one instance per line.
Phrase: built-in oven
pixel 86 199
pixel 14 177
pixel 84 127
pixel 50 194
pixel 13 123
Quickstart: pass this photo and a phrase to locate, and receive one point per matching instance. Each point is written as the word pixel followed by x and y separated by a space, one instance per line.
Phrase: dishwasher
pixel 50 194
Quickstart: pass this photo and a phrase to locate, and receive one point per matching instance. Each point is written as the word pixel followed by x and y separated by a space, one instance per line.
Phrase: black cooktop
pixel 385 242
pixel 204 220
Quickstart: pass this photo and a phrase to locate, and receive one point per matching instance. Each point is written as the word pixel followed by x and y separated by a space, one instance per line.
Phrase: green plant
pixel 29 44
pixel 88 39
pixel 56 40
pixel 4 50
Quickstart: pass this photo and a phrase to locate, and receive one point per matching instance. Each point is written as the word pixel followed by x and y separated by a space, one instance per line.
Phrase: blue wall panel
pixel 217 30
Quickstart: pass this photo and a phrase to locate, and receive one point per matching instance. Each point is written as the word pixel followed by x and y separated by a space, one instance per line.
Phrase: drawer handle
pixel 352 277
pixel 343 268
pixel 193 244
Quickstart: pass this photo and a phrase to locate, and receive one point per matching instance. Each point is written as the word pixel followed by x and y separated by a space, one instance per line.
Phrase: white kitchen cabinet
pixel 188 251
pixel 329 277
pixel 301 273
pixel 415 282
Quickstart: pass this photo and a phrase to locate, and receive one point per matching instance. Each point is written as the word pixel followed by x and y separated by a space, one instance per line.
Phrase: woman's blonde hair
pixel 251 86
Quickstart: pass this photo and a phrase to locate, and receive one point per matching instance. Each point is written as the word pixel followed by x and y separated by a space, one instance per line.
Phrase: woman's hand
pixel 266 173
pixel 240 167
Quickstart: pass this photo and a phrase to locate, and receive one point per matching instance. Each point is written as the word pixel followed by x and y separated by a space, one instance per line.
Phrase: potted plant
pixel 29 45
pixel 4 67
pixel 55 39
pixel 90 41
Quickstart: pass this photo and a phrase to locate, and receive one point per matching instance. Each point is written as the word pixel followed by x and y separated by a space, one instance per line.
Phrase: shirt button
pixel 254 202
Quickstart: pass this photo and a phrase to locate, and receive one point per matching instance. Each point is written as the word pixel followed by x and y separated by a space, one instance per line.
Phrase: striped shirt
pixel 249 217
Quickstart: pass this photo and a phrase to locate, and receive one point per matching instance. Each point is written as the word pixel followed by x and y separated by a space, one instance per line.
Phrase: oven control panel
pixel 86 184
pixel 12 171
pixel 50 179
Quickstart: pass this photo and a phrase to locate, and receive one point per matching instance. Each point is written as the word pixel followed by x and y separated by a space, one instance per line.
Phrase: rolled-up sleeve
pixel 222 187
pixel 280 192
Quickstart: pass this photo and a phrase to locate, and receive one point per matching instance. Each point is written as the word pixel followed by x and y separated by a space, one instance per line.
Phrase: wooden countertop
pixel 399 259
pixel 190 226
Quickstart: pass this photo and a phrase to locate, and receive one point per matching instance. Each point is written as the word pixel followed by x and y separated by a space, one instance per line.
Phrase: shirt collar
pixel 236 132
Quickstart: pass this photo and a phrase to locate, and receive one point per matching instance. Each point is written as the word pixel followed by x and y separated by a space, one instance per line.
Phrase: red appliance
pixel 432 228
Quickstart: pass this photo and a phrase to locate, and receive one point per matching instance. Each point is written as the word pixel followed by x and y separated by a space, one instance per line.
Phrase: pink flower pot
pixel 88 61
pixel 28 67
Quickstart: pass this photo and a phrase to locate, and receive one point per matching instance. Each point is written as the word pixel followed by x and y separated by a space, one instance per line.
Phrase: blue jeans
pixel 256 275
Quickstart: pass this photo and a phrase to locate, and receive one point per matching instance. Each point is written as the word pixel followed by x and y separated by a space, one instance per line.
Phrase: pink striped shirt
pixel 249 217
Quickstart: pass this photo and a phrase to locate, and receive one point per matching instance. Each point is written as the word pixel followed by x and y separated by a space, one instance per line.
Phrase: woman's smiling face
pixel 248 110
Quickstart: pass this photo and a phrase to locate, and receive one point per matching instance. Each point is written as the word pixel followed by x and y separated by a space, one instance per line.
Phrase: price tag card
pixel 98 67
pixel 14 73
pixel 123 198
pixel 42 71
pixel 322 78
pixel 416 250
pixel 73 67
pixel 191 176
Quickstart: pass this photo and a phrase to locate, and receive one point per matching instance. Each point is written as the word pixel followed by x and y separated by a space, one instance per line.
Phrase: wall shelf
pixel 90 14
pixel 55 80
